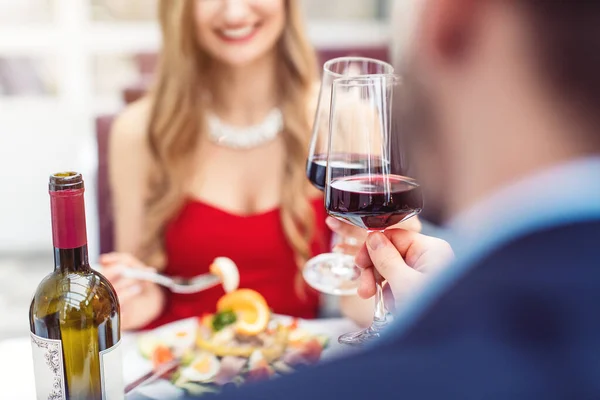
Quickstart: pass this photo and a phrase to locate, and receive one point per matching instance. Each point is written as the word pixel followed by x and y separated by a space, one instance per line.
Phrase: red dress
pixel 256 243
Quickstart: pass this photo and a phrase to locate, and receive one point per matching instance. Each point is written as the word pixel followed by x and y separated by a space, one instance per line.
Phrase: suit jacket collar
pixel 560 195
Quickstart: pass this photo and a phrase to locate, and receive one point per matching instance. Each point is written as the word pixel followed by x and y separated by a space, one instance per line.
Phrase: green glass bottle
pixel 74 314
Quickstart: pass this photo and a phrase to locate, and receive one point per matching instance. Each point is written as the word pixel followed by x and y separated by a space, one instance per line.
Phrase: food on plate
pixel 240 342
pixel 251 310
pixel 147 344
pixel 226 269
pixel 270 344
pixel 202 368
pixel 231 367
pixel 259 368
pixel 161 355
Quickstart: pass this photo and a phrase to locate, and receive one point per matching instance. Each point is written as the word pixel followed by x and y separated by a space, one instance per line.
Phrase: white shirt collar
pixel 569 191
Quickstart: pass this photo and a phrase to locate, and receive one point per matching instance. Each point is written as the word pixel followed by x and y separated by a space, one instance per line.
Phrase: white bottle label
pixel 111 373
pixel 48 368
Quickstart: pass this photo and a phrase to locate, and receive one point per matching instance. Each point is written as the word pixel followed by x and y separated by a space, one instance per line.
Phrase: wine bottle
pixel 74 314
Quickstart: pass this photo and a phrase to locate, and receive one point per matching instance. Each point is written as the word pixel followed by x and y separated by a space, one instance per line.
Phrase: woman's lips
pixel 238 35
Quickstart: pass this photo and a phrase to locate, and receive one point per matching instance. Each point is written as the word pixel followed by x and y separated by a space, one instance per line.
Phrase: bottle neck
pixel 71 260
pixel 69 230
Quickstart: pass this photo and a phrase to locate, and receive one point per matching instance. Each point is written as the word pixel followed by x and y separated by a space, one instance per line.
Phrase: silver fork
pixel 175 284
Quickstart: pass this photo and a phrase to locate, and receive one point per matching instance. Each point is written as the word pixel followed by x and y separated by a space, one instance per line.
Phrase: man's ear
pixel 448 28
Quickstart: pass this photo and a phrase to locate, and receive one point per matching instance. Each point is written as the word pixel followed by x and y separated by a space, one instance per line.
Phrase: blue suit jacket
pixel 523 323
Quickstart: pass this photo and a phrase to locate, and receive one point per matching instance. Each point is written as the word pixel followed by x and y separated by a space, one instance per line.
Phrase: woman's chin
pixel 239 60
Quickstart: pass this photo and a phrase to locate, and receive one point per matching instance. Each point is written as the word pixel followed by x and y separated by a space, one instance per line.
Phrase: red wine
pixel 362 200
pixel 342 165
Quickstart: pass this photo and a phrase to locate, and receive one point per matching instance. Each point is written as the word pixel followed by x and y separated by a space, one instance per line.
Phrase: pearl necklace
pixel 248 137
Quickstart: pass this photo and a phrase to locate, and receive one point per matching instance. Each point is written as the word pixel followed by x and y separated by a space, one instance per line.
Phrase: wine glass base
pixel 332 273
pixel 366 335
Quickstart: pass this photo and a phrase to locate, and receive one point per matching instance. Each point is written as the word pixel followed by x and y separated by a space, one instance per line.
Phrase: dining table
pixel 17 380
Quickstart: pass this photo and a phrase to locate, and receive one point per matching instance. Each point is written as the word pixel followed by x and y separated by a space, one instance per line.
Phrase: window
pixel 27 76
pixel 124 10
pixel 145 10
pixel 346 9
pixel 26 11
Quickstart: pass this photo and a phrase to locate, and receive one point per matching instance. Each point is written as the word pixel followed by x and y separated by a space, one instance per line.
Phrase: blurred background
pixel 68 66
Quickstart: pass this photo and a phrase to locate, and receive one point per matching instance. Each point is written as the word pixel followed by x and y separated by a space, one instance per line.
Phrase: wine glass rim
pixel 327 65
pixel 352 80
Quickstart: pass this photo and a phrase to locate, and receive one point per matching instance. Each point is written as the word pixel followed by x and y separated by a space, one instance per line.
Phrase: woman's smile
pixel 238 35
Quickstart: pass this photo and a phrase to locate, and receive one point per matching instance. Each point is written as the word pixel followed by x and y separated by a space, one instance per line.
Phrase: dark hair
pixel 567 35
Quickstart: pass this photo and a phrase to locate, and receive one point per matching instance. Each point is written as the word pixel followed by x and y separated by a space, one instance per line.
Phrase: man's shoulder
pixel 553 252
pixel 541 288
pixel 582 234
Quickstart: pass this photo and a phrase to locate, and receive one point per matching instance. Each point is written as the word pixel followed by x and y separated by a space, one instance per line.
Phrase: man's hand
pixel 404 258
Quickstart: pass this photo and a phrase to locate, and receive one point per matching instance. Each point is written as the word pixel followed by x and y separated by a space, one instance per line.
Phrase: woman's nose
pixel 235 11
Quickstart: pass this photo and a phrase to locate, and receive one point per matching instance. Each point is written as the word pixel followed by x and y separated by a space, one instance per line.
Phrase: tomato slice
pixel 294 324
pixel 161 355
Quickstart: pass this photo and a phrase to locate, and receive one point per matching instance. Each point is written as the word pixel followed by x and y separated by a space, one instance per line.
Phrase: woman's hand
pixel 404 258
pixel 352 238
pixel 141 301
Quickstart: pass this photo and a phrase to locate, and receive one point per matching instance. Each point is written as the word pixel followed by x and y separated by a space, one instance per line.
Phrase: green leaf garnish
pixel 223 319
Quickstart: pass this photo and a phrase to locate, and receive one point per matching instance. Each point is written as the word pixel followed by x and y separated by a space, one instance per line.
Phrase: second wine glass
pixel 380 195
pixel 334 273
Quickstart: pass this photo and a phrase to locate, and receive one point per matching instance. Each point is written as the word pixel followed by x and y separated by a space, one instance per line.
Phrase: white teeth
pixel 237 33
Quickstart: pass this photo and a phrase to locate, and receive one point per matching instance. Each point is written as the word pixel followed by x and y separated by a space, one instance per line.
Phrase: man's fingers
pixel 390 264
pixel 362 258
pixel 385 257
pixel 423 253
pixel 366 288
pixel 382 254
pixel 401 257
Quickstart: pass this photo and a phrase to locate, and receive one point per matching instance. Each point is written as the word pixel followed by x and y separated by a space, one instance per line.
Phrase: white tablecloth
pixel 16 368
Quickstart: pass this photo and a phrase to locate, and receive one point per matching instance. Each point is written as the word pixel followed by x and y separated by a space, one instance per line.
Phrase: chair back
pixel 105 215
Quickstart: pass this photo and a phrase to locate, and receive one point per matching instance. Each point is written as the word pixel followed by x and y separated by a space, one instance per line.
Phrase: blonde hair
pixel 176 122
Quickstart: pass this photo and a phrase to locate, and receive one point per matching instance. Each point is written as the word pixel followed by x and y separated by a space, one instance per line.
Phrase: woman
pixel 211 162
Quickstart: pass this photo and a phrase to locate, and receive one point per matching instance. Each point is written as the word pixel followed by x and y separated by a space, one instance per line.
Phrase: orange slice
pixel 251 309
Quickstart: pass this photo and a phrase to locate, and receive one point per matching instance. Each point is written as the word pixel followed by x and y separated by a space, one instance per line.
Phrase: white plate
pixel 137 366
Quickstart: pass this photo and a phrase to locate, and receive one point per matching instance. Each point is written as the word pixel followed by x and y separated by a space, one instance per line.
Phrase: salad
pixel 241 342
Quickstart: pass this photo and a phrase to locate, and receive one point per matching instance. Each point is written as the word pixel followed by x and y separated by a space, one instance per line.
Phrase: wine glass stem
pixel 381 313
pixel 380 309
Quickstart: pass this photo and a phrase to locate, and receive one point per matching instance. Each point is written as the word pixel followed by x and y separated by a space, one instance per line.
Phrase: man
pixel 506 135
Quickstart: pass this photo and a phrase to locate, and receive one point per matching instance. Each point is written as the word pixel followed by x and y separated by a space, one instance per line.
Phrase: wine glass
pixel 334 273
pixel 380 194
